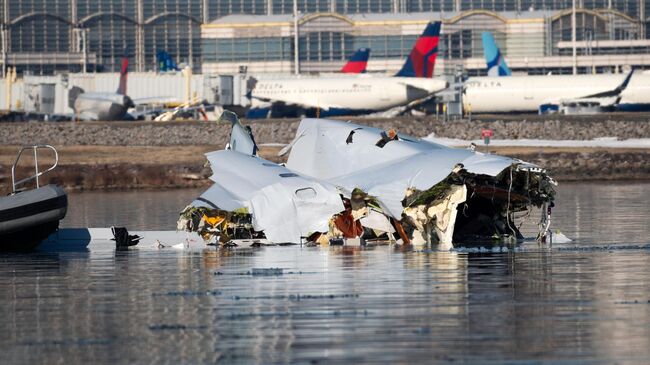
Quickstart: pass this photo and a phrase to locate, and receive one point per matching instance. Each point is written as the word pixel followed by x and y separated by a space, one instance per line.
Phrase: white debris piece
pixel 283 204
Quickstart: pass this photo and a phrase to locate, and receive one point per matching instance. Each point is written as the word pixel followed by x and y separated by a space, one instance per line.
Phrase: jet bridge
pixel 229 91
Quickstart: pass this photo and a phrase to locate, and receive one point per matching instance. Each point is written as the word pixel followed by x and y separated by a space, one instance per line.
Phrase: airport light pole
pixel 3 35
pixel 573 36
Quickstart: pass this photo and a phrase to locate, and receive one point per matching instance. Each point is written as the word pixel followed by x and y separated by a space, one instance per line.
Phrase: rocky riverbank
pixel 623 126
pixel 130 155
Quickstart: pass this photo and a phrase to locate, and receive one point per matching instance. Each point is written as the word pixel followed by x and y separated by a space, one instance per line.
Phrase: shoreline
pixel 153 155
pixel 88 168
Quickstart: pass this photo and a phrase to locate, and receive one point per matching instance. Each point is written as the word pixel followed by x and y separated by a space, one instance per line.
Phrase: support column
pixel 573 37
pixel 73 19
pixel 190 48
pixel 5 36
pixel 296 49
pixel 642 19
pixel 139 38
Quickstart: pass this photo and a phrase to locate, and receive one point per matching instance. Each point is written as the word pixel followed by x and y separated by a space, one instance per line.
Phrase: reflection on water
pixel 604 212
pixel 137 210
pixel 344 305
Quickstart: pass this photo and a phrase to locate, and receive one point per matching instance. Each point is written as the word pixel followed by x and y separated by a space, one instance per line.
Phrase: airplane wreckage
pixel 346 181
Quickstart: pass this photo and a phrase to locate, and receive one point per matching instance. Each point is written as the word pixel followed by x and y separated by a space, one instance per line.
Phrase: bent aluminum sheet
pixel 283 204
pixel 240 139
pixel 325 149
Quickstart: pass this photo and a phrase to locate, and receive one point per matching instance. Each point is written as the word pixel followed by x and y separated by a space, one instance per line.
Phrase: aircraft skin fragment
pixel 271 193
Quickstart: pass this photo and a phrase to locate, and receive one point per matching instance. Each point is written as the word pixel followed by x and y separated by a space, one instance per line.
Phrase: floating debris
pixel 376 185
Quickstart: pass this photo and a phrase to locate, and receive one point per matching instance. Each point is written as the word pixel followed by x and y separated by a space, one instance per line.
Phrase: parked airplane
pixel 332 96
pixel 496 63
pixel 543 93
pixel 358 62
pixel 103 105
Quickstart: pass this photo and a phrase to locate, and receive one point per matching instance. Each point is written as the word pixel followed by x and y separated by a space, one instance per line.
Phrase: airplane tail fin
pixel 165 62
pixel 124 70
pixel 496 63
pixel 358 62
pixel 422 59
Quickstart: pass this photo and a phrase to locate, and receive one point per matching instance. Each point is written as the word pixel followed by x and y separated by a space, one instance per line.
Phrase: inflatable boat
pixel 27 217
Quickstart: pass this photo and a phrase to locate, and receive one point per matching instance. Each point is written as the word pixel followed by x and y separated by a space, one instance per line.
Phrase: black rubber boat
pixel 27 217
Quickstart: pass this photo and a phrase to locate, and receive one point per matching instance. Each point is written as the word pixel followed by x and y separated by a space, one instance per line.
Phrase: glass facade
pixel 247 49
pixel 141 27
pixel 336 46
pixel 144 27
pixel 364 6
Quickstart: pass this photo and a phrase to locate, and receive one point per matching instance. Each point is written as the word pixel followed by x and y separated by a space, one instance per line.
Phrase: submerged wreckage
pixel 344 181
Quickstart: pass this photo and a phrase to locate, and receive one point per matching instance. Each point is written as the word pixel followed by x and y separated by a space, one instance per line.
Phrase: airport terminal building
pixel 229 36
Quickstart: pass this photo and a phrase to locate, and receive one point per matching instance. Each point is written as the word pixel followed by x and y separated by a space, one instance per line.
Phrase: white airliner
pixel 512 94
pixel 540 93
pixel 101 105
pixel 331 96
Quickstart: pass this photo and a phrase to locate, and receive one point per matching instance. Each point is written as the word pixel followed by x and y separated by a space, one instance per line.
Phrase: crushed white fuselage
pixel 348 180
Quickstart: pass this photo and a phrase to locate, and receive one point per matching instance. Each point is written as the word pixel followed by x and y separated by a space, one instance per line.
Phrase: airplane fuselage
pixel 510 94
pixel 346 93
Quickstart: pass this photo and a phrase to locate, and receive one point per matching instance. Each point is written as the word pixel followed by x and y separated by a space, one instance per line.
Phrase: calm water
pixel 336 305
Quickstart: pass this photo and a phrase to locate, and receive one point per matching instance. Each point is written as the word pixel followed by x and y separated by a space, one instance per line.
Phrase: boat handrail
pixel 15 183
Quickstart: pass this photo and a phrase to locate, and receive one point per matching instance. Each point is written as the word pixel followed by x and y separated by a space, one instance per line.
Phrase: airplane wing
pixel 615 92
pixel 156 100
pixel 605 98
pixel 307 104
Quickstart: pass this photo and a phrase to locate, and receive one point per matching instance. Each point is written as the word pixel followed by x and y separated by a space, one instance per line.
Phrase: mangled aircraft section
pixel 347 181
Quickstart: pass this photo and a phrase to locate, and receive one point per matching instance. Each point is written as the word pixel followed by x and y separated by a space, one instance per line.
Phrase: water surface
pixel 336 305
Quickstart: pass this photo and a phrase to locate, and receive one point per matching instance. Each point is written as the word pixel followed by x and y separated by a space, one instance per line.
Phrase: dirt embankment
pixel 126 155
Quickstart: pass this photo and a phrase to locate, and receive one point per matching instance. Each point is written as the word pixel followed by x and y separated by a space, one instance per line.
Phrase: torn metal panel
pixel 324 150
pixel 377 221
pixel 216 193
pixel 445 211
pixel 283 204
pixel 241 137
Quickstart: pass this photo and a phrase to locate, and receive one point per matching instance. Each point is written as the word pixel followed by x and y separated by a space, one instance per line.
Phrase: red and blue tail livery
pixel 422 59
pixel 124 71
pixel 358 62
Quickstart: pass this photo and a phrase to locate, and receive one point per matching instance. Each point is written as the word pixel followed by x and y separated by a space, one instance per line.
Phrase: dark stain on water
pixel 377 305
